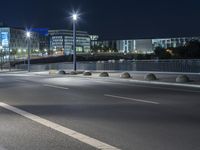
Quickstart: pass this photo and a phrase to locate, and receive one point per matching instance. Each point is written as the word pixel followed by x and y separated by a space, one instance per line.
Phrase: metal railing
pixel 183 65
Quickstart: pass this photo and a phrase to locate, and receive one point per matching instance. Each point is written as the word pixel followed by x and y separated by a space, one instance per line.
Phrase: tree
pixel 190 51
pixel 162 53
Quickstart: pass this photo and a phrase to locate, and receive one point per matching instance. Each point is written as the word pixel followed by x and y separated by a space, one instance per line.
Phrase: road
pixel 41 112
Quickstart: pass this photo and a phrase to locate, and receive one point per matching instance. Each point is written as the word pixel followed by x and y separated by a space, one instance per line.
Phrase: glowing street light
pixel 1 49
pixel 28 34
pixel 19 50
pixel 74 17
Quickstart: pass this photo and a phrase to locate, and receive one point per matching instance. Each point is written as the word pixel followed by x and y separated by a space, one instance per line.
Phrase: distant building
pixel 134 46
pixel 14 40
pixel 61 41
pixel 143 46
pixel 94 40
pixel 44 39
pixel 172 42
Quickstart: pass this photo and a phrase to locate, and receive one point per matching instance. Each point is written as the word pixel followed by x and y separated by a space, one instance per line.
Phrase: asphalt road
pixel 124 115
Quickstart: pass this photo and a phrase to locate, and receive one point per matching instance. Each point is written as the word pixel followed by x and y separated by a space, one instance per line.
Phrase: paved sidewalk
pixel 163 78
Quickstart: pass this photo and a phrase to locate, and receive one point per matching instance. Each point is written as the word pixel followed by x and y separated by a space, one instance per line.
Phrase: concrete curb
pixel 138 81
pixel 124 80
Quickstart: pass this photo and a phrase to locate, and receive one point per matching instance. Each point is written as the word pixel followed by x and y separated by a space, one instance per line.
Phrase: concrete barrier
pixel 53 72
pixel 182 79
pixel 104 74
pixel 87 73
pixel 61 72
pixel 125 75
pixel 150 77
pixel 73 73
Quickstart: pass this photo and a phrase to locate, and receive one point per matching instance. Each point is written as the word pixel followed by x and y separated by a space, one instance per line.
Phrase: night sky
pixel 111 19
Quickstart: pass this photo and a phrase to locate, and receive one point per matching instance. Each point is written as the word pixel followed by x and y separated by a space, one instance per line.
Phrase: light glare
pixel 28 34
pixel 74 17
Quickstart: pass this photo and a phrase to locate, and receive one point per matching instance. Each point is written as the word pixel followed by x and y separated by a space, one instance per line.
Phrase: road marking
pixel 131 99
pixel 71 133
pixel 136 83
pixel 172 89
pixel 54 86
pixel 20 81
pixel 103 82
pixel 146 86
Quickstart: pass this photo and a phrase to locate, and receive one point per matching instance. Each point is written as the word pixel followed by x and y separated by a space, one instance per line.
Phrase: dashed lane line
pixel 131 99
pixel 57 87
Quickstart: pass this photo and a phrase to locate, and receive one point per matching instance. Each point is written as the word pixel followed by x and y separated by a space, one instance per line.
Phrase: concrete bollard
pixel 104 74
pixel 150 77
pixel 182 79
pixel 61 72
pixel 52 72
pixel 125 75
pixel 87 73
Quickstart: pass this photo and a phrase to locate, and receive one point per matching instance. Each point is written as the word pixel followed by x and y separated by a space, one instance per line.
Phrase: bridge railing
pixel 183 65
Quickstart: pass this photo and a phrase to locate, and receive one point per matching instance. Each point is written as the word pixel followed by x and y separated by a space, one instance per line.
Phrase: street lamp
pixel 1 49
pixel 28 36
pixel 74 18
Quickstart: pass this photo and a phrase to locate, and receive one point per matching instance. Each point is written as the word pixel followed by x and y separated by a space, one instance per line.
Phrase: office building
pixel 43 40
pixel 14 41
pixel 61 42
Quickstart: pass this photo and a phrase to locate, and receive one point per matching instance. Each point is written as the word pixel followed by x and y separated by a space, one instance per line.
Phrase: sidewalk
pixel 137 77
pixel 164 78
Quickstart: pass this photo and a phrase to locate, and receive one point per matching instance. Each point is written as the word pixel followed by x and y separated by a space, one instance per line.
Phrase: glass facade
pixel 61 42
pixel 13 41
pixel 5 38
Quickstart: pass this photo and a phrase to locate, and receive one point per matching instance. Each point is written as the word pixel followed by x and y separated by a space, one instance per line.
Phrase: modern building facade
pixel 13 41
pixel 134 46
pixel 61 42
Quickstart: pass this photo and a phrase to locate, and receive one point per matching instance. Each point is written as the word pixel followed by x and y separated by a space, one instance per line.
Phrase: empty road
pixel 42 112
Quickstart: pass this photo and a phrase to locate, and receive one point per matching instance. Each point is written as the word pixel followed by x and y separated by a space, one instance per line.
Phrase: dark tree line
pixel 190 51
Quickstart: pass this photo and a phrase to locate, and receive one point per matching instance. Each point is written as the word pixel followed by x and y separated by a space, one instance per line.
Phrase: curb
pixel 137 81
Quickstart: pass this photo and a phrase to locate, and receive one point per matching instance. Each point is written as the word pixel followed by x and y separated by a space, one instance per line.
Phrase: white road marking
pixel 103 82
pixel 172 89
pixel 152 87
pixel 20 81
pixel 71 133
pixel 131 99
pixel 54 86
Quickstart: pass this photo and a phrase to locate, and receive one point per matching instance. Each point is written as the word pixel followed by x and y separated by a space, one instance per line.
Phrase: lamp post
pixel 9 58
pixel 1 49
pixel 28 36
pixel 74 18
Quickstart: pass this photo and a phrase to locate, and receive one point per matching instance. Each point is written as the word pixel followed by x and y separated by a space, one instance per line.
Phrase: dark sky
pixel 111 19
